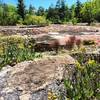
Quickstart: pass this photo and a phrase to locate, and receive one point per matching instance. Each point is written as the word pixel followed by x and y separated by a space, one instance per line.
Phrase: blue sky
pixel 43 3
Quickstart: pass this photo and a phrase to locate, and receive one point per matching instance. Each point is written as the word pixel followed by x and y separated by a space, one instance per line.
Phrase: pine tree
pixel 67 13
pixel 78 10
pixel 21 9
pixel 41 11
pixel 4 14
pixel 72 10
pixel 62 11
pixel 58 4
pixel 31 9
pixel 58 13
pixel 50 13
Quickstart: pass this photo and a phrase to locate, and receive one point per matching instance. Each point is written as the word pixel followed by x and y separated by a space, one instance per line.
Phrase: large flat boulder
pixel 54 41
pixel 29 79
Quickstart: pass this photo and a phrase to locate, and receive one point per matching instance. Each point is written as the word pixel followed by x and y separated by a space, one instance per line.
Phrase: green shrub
pixel 88 42
pixel 74 21
pixel 84 84
pixel 97 15
pixel 20 21
pixel 36 20
pixel 15 49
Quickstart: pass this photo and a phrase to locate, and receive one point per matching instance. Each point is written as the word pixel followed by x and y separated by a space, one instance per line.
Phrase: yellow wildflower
pixel 51 96
pixel 91 62
pixel 78 65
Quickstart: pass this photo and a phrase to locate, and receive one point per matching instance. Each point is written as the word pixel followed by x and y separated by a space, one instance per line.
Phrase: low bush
pixel 15 49
pixel 88 42
pixel 36 20
pixel 20 22
pixel 74 21
pixel 84 84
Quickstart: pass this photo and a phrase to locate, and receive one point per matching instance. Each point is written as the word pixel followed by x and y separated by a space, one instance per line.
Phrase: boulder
pixel 31 80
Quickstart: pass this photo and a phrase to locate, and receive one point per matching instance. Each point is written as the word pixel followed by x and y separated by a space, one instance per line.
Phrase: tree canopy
pixel 60 13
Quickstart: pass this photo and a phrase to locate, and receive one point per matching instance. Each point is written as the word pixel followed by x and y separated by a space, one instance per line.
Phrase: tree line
pixel 60 13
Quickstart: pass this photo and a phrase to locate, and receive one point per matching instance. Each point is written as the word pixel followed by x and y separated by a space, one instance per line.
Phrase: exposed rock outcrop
pixel 33 30
pixel 31 80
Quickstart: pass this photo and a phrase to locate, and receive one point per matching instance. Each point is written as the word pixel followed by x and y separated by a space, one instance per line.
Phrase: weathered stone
pixel 31 80
pixel 39 95
pixel 50 42
pixel 11 96
pixel 1 98
pixel 38 74
pixel 26 30
pixel 25 97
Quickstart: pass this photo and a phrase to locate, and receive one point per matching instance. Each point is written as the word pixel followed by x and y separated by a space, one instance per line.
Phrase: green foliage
pixel 52 15
pixel 96 3
pixel 88 42
pixel 4 14
pixel 31 10
pixel 74 21
pixel 61 10
pixel 21 9
pixel 97 15
pixel 61 13
pixel 15 49
pixel 1 14
pixel 8 15
pixel 67 14
pixel 87 13
pixel 72 11
pixel 41 11
pixel 84 84
pixel 12 15
pixel 78 10
pixel 20 21
pixel 58 14
pixel 35 20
